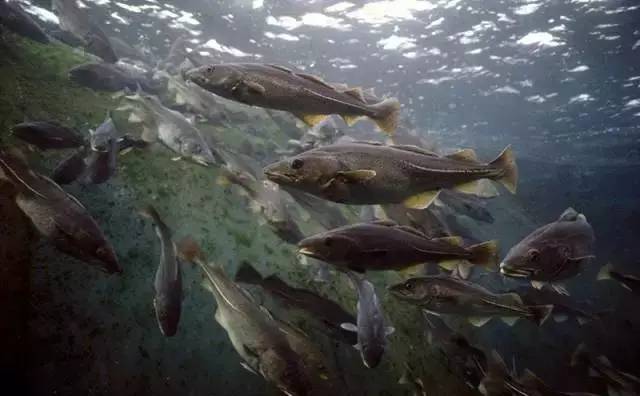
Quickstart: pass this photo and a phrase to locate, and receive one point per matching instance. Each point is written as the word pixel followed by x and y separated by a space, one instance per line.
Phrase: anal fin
pixel 312 119
pixel 422 200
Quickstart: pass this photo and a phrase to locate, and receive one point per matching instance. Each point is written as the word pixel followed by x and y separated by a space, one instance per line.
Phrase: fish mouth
pixel 279 177
pixel 308 252
pixel 507 270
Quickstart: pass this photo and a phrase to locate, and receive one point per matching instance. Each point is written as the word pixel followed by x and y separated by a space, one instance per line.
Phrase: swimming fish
pixel 13 17
pixel 304 95
pixel 629 282
pixel 108 77
pixel 47 135
pixel 57 215
pixel 618 382
pixel 446 295
pixel 552 253
pixel 366 173
pixel 167 284
pixel 385 245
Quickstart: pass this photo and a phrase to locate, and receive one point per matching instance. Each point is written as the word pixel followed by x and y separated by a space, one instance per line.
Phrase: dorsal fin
pixel 355 93
pixel 340 86
pixel 414 149
pixel 467 155
pixel 281 68
pixel 570 214
pixel 315 79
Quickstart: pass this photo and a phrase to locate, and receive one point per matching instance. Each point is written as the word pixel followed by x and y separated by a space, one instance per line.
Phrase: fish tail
pixel 387 115
pixel 485 254
pixel 247 274
pixel 540 313
pixel 506 162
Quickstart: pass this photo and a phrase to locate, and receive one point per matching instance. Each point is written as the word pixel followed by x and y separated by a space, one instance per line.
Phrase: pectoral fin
pixel 510 321
pixel 422 200
pixel 349 327
pixel 479 321
pixel 357 176
pixel 481 188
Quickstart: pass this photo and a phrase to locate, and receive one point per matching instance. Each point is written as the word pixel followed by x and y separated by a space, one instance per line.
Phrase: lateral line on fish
pixel 508 308
pixel 214 283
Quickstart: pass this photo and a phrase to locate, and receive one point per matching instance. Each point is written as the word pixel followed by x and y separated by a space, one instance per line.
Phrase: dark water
pixel 559 81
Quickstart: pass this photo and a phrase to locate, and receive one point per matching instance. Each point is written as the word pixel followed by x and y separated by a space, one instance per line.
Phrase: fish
pixel 58 216
pixel 304 95
pixel 107 77
pixel 370 324
pixel 326 214
pixel 619 383
pixel 385 245
pixel 123 49
pixel 367 173
pixel 101 163
pixel 563 306
pixel 167 284
pixel 70 168
pixel 499 381
pixel 254 334
pixel 465 204
pixel 322 309
pixel 629 282
pixel 553 252
pixel 171 128
pixel 97 43
pixel 452 296
pixel 47 135
pixel 193 98
pixel 14 18
pixel 465 360
pixel 270 202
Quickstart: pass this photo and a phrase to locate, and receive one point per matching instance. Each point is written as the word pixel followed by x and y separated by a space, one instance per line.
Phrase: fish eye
pixel 328 242
pixel 297 163
pixel 408 285
pixel 534 255
pixel 210 69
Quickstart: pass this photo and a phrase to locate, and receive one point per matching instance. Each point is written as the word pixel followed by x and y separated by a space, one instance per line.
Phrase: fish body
pixel 171 128
pixel 370 325
pixel 13 17
pixel 47 135
pixel 629 282
pixel 101 163
pixel 58 216
pixel 194 98
pixel 369 173
pixel 618 382
pixel 446 295
pixel 322 309
pixel 271 204
pixel 553 252
pixel 70 168
pixel 326 214
pixel 275 87
pixel 384 245
pixel 167 283
pixel 255 335
pixel 563 306
pixel 107 77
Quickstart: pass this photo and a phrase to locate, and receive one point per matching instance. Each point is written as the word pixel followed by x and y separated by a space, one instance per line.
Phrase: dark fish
pixel 124 50
pixel 103 152
pixel 57 215
pixel 126 143
pixel 13 17
pixel 107 77
pixel 553 252
pixel 446 295
pixel 618 382
pixel 370 325
pixel 370 173
pixel 47 135
pixel 66 37
pixel 253 332
pixel 322 309
pixel 168 280
pixel 98 44
pixel 563 306
pixel 384 245
pixel 629 282
pixel 304 95
pixel 70 169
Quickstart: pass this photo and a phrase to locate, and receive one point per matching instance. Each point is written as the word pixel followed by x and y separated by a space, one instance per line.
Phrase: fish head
pixel 167 314
pixel 214 78
pixel 286 371
pixel 530 261
pixel 330 247
pixel 307 171
pixel 412 290
pixel 106 255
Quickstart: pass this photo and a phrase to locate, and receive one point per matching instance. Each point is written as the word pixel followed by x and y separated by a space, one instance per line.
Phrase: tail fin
pixel 540 313
pixel 485 254
pixel 189 250
pixel 507 162
pixel 247 274
pixel 387 115
pixel 605 272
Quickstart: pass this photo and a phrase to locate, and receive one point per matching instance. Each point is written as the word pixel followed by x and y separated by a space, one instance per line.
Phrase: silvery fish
pixel 304 95
pixel 370 324
pixel 57 215
pixel 554 252
pixel 365 173
pixel 446 295
pixel 167 284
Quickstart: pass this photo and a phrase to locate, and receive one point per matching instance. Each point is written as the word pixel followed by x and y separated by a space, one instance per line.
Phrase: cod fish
pixel 47 135
pixel 169 127
pixel 629 282
pixel 618 382
pixel 304 95
pixel 254 334
pixel 57 215
pixel 107 77
pixel 14 18
pixel 500 382
pixel 329 313
pixel 167 284
pixel 446 295
pixel 370 325
pixel 384 245
pixel 270 202
pixel 193 98
pixel 552 253
pixel 366 173
pixel 563 307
